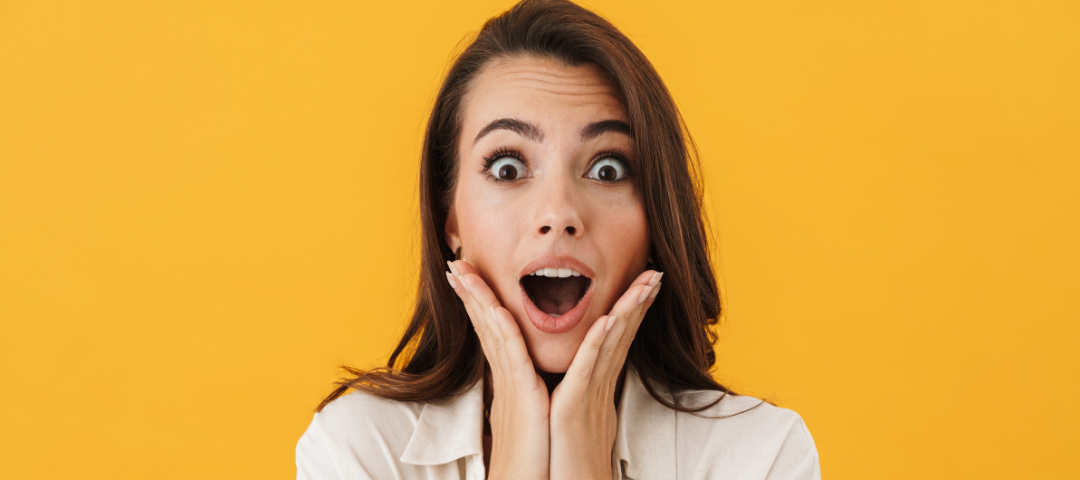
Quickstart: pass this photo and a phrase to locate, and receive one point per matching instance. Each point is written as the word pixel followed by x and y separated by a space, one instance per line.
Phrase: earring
pixel 457 253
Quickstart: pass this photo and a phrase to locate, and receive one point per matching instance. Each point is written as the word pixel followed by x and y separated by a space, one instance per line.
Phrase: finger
pixel 644 300
pixel 476 314
pixel 636 296
pixel 479 293
pixel 626 338
pixel 580 374
pixel 517 354
pixel 479 323
pixel 475 284
pixel 459 288
pixel 628 312
pixel 485 304
pixel 470 310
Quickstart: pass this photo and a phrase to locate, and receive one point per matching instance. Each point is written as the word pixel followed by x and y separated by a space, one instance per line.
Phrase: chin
pixel 552 365
pixel 554 356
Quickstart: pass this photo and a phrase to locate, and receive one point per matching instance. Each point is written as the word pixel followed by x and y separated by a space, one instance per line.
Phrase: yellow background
pixel 205 207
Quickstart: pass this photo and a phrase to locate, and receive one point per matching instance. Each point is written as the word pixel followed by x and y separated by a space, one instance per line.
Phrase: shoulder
pixel 745 434
pixel 749 410
pixel 341 438
pixel 360 413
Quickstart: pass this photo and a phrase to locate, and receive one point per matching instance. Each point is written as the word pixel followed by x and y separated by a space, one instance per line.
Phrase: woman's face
pixel 543 183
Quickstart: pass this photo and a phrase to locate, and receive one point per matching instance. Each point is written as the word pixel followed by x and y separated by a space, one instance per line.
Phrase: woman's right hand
pixel 521 406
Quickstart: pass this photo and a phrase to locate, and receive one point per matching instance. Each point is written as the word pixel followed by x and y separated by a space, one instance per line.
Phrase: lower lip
pixel 563 323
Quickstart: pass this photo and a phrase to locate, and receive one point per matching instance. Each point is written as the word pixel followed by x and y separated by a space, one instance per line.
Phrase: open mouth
pixel 555 294
pixel 556 298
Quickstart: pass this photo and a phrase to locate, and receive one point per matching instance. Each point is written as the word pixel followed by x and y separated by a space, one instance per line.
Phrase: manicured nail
pixel 610 322
pixel 453 283
pixel 644 295
pixel 452 269
pixel 655 291
pixel 655 279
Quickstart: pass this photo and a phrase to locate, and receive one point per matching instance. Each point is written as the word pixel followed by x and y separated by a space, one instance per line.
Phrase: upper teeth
pixel 556 272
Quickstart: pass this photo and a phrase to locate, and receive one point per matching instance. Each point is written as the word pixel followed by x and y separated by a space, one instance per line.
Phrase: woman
pixel 571 337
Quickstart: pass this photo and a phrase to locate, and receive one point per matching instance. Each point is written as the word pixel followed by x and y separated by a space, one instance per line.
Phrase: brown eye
pixel 607 173
pixel 507 168
pixel 608 170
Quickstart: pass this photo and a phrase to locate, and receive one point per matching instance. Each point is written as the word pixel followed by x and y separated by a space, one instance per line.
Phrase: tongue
pixel 555 296
pixel 556 306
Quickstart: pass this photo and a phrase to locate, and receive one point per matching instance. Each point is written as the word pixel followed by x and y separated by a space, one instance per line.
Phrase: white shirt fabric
pixel 361 436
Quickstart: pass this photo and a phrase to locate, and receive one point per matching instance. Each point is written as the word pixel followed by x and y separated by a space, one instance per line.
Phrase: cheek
pixel 478 216
pixel 490 230
pixel 624 231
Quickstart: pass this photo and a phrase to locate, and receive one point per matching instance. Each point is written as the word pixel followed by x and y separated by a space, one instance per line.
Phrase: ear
pixel 451 231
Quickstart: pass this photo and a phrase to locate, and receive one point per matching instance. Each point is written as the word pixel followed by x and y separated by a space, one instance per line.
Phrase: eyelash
pixel 514 153
pixel 618 155
pixel 502 152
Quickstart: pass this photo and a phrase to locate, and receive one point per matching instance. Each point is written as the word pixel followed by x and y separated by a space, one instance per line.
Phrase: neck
pixel 551 379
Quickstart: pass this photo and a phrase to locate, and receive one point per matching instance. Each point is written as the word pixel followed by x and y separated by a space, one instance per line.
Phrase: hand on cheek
pixel 519 410
pixel 570 435
pixel 583 417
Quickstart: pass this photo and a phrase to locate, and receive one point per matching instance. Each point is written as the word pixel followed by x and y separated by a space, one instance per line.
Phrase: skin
pixel 500 226
pixel 557 205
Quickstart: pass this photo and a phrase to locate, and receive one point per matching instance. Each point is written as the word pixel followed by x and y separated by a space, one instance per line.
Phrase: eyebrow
pixel 525 129
pixel 596 129
pixel 532 132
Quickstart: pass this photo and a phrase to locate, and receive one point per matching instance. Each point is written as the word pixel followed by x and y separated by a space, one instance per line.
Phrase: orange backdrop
pixel 206 206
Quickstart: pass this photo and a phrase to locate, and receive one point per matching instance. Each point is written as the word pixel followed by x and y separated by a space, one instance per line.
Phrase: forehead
pixel 543 91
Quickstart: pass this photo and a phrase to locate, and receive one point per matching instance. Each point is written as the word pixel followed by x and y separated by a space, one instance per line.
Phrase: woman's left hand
pixel 583 418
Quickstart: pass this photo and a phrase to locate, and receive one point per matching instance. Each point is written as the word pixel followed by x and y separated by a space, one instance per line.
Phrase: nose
pixel 558 210
pixel 570 229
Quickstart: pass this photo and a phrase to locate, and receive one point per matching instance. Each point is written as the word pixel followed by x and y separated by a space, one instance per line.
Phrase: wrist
pixel 493 475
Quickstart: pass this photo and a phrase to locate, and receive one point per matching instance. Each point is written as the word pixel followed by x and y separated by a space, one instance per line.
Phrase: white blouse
pixel 361 436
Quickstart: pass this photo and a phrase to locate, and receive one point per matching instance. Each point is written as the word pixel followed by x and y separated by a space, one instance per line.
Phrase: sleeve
pixel 798 456
pixel 313 459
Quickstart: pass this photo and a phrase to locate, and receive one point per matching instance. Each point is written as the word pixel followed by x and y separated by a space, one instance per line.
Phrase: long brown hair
pixel 439 354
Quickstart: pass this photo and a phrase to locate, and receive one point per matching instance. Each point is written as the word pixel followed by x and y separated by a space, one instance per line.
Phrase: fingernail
pixel 644 295
pixel 655 279
pixel 610 322
pixel 453 283
pixel 655 291
pixel 452 269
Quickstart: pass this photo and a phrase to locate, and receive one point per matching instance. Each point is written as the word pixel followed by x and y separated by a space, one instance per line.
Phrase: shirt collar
pixel 644 443
pixel 448 431
pixel 646 439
